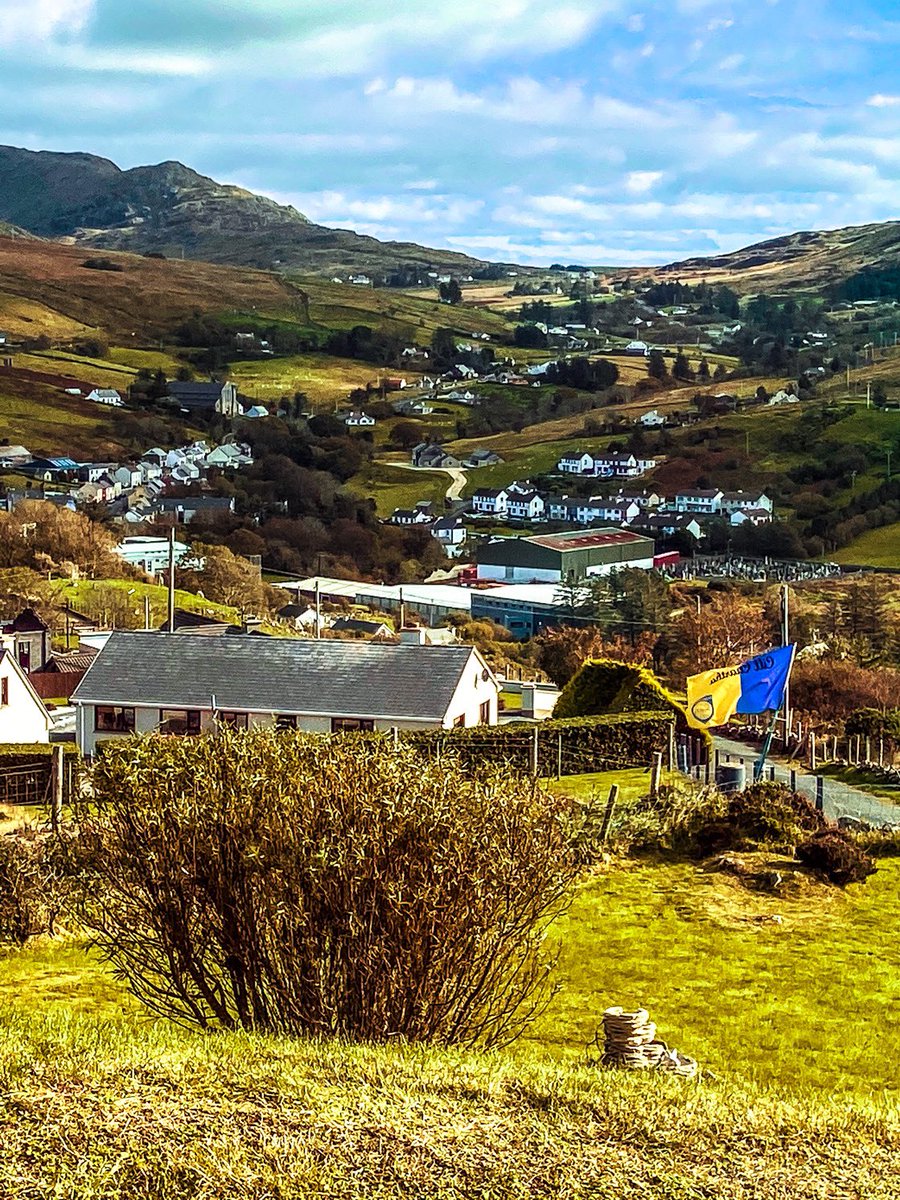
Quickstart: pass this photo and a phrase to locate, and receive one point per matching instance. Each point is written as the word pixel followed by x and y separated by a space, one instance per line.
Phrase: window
pixel 484 713
pixel 179 720
pixel 112 718
pixel 4 691
pixel 352 724
pixel 237 720
pixel 286 721
pixel 460 721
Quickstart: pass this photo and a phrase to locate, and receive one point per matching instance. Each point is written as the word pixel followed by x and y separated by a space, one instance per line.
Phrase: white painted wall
pixel 23 718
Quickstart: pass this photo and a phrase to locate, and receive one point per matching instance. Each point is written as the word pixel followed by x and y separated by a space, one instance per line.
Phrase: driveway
pixel 840 800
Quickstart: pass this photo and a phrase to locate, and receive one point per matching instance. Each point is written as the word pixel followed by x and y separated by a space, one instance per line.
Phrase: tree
pixel 703 370
pixel 226 578
pixel 451 293
pixel 408 433
pixel 41 535
pixel 725 630
pixel 323 887
pixel 656 365
pixel 681 368
pixel 560 652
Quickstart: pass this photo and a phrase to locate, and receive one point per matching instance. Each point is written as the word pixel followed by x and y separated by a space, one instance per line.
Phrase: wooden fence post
pixel 57 781
pixel 608 811
pixel 534 752
pixel 820 793
pixel 559 763
pixel 671 756
pixel 655 774
pixel 812 752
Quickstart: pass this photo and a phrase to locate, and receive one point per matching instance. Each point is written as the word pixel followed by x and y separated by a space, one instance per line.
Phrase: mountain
pixel 806 260
pixel 172 210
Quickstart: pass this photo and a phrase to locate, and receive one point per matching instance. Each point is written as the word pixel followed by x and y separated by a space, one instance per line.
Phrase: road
pixel 840 800
pixel 457 477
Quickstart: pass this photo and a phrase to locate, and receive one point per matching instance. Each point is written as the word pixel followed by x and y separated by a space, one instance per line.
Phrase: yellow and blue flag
pixel 754 686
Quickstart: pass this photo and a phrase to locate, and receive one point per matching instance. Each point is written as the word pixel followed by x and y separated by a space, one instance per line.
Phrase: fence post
pixel 707 771
pixel 868 749
pixel 812 752
pixel 57 779
pixel 559 756
pixel 771 774
pixel 793 780
pixel 534 752
pixel 881 750
pixel 820 793
pixel 655 773
pixel 395 735
pixel 717 758
pixel 671 756
pixel 608 811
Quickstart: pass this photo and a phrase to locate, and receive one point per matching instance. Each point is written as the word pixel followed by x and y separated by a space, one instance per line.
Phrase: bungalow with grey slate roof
pixel 183 683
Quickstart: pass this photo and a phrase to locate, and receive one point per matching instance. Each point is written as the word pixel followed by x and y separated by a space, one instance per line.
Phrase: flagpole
pixel 760 765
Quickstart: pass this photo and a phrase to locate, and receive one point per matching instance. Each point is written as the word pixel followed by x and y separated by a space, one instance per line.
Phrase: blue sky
pixel 598 131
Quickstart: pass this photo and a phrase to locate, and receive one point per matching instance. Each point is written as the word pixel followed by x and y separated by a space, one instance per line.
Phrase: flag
pixel 754 686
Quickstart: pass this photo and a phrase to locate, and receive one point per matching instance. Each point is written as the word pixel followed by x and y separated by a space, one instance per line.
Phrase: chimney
pixel 412 635
pixel 251 624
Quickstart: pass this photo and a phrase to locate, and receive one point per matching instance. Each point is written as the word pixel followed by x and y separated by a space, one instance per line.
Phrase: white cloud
pixel 38 20
pixel 880 100
pixel 638 182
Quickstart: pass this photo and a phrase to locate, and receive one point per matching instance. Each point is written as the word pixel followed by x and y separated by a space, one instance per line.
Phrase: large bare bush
pixel 324 886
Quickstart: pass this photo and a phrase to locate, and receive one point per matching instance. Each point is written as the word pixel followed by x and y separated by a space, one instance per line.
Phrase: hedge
pixel 603 686
pixel 579 744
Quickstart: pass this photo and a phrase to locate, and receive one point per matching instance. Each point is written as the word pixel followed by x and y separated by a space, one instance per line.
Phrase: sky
pixel 575 131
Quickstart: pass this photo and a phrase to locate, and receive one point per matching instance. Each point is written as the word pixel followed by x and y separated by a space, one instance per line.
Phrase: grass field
pixel 327 381
pixel 89 594
pixel 394 487
pixel 875 548
pixel 790 1021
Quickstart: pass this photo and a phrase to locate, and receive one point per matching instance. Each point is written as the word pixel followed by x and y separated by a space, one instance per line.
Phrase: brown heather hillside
pixel 146 298
pixel 807 260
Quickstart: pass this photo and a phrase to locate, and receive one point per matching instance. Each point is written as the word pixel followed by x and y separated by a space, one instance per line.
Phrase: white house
pixel 23 717
pixel 492 501
pixel 151 554
pixel 359 420
pixel 753 516
pixel 652 419
pixel 576 463
pixel 108 396
pixel 128 476
pixel 740 501
pixel 450 532
pixel 703 501
pixel 638 349
pixel 622 464
pixel 525 506
pixel 183 683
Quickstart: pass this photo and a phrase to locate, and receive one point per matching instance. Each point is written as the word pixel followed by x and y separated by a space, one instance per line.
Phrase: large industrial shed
pixel 553 557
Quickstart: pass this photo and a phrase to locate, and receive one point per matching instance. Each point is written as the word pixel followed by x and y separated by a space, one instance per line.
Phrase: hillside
pixel 170 209
pixel 805 260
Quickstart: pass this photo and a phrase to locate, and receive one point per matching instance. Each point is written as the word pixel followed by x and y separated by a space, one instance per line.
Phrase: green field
pixel 395 487
pixel 789 1019
pixel 875 548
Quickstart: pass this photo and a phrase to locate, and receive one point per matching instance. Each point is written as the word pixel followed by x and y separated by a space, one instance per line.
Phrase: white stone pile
pixel 631 1044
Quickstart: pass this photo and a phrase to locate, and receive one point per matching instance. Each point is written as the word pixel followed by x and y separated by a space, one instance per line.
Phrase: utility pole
pixel 785 636
pixel 170 624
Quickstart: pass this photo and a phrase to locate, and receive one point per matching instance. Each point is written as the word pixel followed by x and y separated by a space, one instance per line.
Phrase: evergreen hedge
pixel 592 743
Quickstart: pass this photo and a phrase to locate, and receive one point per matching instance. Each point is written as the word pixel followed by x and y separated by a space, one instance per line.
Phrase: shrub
pixel 323 886
pixel 33 886
pixel 837 856
pixel 102 264
pixel 701 823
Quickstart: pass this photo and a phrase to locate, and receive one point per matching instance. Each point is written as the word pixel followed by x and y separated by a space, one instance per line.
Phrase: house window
pixel 352 724
pixel 112 718
pixel 460 721
pixel 237 720
pixel 4 691
pixel 286 721
pixel 179 720
pixel 484 713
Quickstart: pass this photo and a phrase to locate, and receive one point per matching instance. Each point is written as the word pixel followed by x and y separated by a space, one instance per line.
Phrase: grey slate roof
pixel 275 675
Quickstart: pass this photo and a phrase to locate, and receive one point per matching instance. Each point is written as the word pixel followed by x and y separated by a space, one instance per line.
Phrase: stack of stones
pixel 630 1043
